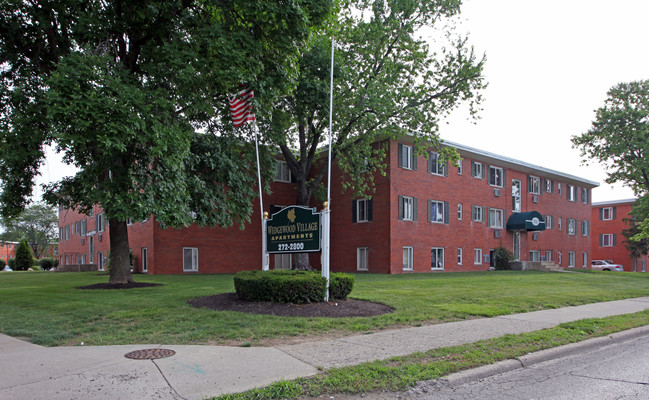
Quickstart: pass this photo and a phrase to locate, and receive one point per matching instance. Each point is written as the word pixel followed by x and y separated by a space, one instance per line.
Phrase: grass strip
pixel 401 373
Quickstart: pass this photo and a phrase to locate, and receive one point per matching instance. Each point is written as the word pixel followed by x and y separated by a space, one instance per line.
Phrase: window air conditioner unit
pixel 497 233
pixel 99 237
pixel 83 240
pixel 535 199
pixel 497 192
pixel 535 236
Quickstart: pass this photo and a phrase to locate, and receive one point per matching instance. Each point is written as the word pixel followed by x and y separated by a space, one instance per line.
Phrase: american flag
pixel 241 107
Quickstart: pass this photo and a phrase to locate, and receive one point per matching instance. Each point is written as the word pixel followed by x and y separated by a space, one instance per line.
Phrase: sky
pixel 549 66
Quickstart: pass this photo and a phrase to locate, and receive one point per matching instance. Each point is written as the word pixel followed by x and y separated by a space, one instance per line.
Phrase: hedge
pixel 297 287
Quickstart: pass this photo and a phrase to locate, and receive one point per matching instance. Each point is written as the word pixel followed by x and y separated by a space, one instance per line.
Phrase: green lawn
pixel 47 309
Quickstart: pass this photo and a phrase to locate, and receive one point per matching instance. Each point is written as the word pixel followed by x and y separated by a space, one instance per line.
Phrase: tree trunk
pixel 120 261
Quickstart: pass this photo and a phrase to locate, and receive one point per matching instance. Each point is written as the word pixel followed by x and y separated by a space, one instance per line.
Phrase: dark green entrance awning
pixel 526 221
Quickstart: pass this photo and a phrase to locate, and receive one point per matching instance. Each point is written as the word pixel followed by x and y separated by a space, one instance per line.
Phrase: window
pixel 459 167
pixel 283 261
pixel 548 222
pixel 438 211
pixel 435 166
pixel 644 265
pixel 83 258
pixel 572 193
pixel 129 221
pixel 584 195
pixel 607 240
pixel 533 185
pixel 496 176
pixel 495 218
pixel 476 170
pixel 516 195
pixel 535 255
pixel 145 259
pixel 67 260
pixel 283 173
pixel 477 213
pixel 571 259
pixel 76 228
pixel 100 261
pixel 559 188
pixel 407 158
pixel 361 258
pixel 584 228
pixel 559 257
pixel 477 256
pixel 407 259
pixel 91 250
pixel 572 226
pixel 91 214
pixel 548 186
pixel 407 208
pixel 607 213
pixel 548 255
pixel 100 222
pixel 84 227
pixel 190 259
pixel 437 258
pixel 559 223
pixel 459 256
pixel 459 211
pixel 362 210
pixel 67 232
pixel 584 259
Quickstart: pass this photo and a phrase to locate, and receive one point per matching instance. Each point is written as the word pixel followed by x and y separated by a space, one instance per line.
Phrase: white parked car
pixel 603 265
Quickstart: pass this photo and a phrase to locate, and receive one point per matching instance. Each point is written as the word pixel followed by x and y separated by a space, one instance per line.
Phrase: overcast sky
pixel 549 66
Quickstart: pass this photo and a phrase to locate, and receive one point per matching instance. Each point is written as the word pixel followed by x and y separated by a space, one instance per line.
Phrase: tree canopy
pixel 38 224
pixel 619 140
pixel 120 88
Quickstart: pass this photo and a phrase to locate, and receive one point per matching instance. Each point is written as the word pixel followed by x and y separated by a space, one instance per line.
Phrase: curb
pixel 486 371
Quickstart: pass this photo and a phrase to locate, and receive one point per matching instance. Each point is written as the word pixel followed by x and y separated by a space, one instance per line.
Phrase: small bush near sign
pixel 297 287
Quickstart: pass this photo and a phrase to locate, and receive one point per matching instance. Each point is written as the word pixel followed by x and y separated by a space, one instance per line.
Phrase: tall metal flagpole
pixel 327 208
pixel 264 256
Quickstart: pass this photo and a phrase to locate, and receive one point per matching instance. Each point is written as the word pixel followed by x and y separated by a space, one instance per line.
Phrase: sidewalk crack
pixel 176 394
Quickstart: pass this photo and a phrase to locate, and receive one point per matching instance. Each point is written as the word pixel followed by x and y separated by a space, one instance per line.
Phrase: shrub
pixel 503 258
pixel 12 263
pixel 280 286
pixel 2 263
pixel 47 262
pixel 340 285
pixel 24 258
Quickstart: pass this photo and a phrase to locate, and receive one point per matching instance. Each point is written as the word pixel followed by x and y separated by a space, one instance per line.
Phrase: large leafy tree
pixel 387 82
pixel 38 224
pixel 619 140
pixel 121 88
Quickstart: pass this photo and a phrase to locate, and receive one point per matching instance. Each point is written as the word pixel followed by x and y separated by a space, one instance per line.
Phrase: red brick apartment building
pixel 609 220
pixel 424 216
pixel 8 250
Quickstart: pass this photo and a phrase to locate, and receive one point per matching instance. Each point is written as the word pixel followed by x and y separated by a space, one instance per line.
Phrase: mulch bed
pixel 332 309
pixel 130 285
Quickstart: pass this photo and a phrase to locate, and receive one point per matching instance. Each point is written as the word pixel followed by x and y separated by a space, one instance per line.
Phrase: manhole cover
pixel 149 354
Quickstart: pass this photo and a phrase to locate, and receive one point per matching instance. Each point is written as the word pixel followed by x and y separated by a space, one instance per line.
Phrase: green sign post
pixel 293 229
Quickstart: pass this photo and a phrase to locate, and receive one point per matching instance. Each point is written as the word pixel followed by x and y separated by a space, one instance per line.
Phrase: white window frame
pixel 408 258
pixel 477 256
pixel 100 261
pixel 406 157
pixel 548 222
pixel 459 211
pixel 362 259
pixel 559 223
pixel 438 168
pixel 585 228
pixel 572 226
pixel 584 195
pixel 548 255
pixel 496 217
pixel 559 188
pixel 607 240
pixel 459 256
pixel 572 193
pixel 436 252
pixel 83 258
pixel 571 259
pixel 516 195
pixel 584 259
pixel 548 186
pixel 283 173
pixel 67 232
pixel 533 184
pixel 477 213
pixel 476 170
pixel 496 176
pixel 534 255
pixel 408 208
pixel 607 214
pixel 283 261
pixel 194 259
pixel 459 167
pixel 436 204
pixel 362 210
pixel 100 222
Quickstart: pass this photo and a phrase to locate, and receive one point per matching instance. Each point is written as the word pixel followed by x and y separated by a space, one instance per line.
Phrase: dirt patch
pixel 130 285
pixel 331 309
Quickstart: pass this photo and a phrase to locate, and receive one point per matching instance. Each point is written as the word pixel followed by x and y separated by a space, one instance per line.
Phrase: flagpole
pixel 327 208
pixel 264 257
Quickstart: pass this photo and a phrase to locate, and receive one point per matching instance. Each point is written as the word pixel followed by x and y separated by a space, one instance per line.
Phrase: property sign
pixel 293 229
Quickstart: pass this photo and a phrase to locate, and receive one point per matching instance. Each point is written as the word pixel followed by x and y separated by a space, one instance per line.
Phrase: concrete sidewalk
pixel 33 372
